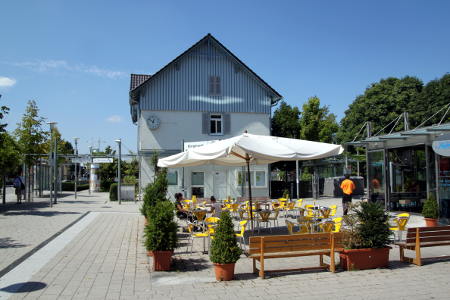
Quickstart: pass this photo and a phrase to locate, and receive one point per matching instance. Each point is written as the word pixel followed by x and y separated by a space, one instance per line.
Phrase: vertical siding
pixel 186 89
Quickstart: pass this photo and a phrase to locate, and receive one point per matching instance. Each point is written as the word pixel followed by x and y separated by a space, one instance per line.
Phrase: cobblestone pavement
pixel 107 260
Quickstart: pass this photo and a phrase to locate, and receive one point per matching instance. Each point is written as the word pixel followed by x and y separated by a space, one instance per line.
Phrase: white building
pixel 206 93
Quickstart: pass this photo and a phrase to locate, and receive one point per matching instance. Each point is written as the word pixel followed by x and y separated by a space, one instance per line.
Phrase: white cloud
pixel 47 65
pixel 114 119
pixel 7 82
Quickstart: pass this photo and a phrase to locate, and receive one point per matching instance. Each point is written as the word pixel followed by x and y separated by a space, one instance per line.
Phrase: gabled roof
pixel 137 80
pixel 134 89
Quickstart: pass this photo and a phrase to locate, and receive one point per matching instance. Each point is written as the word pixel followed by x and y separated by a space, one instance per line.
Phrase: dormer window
pixel 214 86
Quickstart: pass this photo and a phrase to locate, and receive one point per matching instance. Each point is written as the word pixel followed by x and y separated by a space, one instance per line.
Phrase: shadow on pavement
pixel 190 264
pixel 10 243
pixel 40 213
pixel 24 287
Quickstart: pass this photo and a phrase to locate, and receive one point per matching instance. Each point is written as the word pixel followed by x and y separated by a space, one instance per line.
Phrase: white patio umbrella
pixel 246 149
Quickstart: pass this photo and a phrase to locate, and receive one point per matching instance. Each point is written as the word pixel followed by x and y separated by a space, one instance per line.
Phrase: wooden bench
pixel 283 246
pixel 420 237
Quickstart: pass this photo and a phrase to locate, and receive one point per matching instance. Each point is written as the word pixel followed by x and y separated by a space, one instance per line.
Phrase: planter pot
pixel 224 272
pixel 363 259
pixel 431 222
pixel 162 260
pixel 149 253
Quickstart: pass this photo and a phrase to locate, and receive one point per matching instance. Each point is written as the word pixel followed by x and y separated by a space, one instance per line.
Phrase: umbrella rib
pixel 238 155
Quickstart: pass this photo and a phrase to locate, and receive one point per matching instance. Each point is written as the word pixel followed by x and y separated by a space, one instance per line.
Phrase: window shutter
pixel 205 123
pixel 226 124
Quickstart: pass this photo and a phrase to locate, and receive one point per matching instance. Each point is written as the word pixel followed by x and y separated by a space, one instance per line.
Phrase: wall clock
pixel 153 122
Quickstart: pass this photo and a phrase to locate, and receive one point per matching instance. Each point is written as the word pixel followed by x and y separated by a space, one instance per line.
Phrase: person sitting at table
pixel 181 212
pixel 216 208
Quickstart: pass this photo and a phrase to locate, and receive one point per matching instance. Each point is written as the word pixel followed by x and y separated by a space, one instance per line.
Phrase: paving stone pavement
pixel 107 260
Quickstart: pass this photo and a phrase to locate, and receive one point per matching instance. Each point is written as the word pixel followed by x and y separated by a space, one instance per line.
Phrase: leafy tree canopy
pixel 30 134
pixel 381 103
pixel 285 121
pixel 316 122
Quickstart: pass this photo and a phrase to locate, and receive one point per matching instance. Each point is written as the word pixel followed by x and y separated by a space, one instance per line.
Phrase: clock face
pixel 153 122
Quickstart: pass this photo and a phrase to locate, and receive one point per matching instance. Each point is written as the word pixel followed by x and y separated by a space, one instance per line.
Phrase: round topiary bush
pixel 113 192
pixel 430 208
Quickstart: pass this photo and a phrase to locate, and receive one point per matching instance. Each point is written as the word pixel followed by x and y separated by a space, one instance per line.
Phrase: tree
pixel 434 96
pixel 30 135
pixel 285 121
pixel 380 104
pixel 316 122
pixel 9 154
pixel 31 139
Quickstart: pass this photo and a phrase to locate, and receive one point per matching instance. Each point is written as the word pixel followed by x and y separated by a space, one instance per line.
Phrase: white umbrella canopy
pixel 246 149
pixel 255 149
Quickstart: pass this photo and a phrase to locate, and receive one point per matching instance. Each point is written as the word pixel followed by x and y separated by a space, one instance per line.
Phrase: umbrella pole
pixel 247 159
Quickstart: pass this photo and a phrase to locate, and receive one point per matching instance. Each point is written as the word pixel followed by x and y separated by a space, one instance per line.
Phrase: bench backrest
pixel 428 234
pixel 298 242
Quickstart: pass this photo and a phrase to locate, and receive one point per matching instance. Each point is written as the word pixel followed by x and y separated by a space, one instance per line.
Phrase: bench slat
pixel 429 239
pixel 290 254
pixel 437 228
pixel 290 237
pixel 294 242
pixel 431 233
pixel 292 249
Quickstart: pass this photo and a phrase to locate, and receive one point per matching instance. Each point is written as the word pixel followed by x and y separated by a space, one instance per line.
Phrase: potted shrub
pixel 224 250
pixel 430 211
pixel 161 235
pixel 367 238
pixel 154 193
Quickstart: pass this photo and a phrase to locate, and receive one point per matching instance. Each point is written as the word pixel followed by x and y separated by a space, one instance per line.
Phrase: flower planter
pixel 162 260
pixel 363 259
pixel 431 222
pixel 224 272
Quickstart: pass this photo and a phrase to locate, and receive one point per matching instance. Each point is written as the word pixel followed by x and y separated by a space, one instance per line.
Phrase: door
pixel 220 185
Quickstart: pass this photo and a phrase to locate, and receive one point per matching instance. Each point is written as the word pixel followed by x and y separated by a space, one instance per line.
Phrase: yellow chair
pixel 195 235
pixel 401 220
pixel 290 206
pixel 234 207
pixel 212 220
pixel 337 224
pixel 241 233
pixel 327 226
pixel 333 210
pixel 290 227
pixel 274 218
pixel 309 210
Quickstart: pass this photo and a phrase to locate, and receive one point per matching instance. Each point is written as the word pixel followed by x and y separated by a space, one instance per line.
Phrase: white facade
pixel 206 93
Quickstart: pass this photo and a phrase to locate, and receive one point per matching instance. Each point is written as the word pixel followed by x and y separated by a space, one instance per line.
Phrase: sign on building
pixel 102 160
pixel 81 160
pixel 442 145
pixel 191 145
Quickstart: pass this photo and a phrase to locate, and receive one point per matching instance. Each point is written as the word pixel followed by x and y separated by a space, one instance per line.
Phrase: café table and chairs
pixel 264 215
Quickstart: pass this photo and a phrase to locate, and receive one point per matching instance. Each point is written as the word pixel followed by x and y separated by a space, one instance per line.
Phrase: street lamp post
pixel 76 165
pixel 90 158
pixel 119 196
pixel 52 159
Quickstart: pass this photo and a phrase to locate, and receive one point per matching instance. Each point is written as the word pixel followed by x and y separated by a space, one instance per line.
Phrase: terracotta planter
pixel 224 272
pixel 431 222
pixel 363 259
pixel 162 260
pixel 150 253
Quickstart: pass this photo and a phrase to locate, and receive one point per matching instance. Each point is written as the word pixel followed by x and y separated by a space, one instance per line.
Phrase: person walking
pixel 19 187
pixel 347 186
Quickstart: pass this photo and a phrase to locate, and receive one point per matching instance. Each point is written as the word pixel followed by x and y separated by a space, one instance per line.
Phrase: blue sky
pixel 74 57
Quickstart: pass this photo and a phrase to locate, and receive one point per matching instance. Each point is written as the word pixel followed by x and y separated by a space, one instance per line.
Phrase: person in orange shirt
pixel 347 187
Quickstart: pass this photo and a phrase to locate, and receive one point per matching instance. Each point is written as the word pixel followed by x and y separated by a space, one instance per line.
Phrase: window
pixel 172 178
pixel 214 86
pixel 197 178
pixel 258 178
pixel 215 125
pixel 197 182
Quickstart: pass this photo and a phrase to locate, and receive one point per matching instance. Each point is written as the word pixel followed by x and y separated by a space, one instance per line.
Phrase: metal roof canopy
pixel 424 135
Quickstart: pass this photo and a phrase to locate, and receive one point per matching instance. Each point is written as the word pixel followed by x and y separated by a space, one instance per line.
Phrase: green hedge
pixel 113 192
pixel 105 185
pixel 70 186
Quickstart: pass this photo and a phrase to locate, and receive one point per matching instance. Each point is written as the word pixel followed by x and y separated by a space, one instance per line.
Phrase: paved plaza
pixel 91 248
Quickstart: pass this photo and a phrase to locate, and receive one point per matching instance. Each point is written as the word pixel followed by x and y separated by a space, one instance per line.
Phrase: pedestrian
pixel 20 188
pixel 347 187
